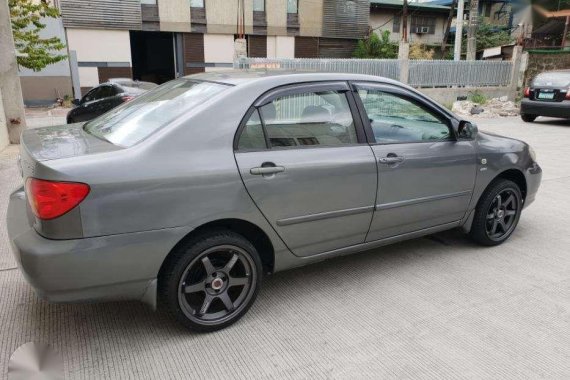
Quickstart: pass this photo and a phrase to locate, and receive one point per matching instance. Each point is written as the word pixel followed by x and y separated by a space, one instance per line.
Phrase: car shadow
pixel 113 319
pixel 552 122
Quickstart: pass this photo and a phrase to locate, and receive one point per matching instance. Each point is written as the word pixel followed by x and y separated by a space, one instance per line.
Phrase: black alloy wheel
pixel 210 281
pixel 497 213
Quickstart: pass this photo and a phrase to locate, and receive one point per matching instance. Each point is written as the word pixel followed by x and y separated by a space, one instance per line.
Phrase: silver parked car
pixel 188 195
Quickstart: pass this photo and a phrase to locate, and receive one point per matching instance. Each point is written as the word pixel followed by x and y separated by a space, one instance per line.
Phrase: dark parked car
pixel 188 195
pixel 105 97
pixel 547 95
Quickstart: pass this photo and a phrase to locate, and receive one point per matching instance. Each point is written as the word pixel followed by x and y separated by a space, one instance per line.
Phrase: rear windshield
pixel 133 121
pixel 552 79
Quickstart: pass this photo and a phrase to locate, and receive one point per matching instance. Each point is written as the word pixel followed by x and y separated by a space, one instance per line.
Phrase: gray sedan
pixel 187 196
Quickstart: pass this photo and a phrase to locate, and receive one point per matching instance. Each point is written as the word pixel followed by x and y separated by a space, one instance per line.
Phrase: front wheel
pixel 528 118
pixel 211 281
pixel 497 213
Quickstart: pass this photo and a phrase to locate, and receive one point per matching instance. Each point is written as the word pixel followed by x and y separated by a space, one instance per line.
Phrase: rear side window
pixel 133 121
pixel 252 136
pixel 552 79
pixel 313 118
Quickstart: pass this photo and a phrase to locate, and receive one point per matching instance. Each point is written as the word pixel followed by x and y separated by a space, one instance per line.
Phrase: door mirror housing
pixel 76 102
pixel 466 130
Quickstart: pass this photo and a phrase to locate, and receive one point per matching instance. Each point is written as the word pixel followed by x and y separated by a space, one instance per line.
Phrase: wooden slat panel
pixel 257 46
pixel 193 52
pixel 114 72
pixel 345 19
pixel 306 47
pixel 124 14
pixel 149 13
pixel 336 47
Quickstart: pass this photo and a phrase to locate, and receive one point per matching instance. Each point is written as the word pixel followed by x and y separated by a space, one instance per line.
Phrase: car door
pixel 304 160
pixel 84 111
pixel 425 174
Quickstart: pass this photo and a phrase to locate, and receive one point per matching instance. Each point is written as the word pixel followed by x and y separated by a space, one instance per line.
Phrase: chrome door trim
pixel 323 215
pixel 414 201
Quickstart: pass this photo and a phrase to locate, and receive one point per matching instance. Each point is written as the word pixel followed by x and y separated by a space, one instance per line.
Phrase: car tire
pixel 497 213
pixel 528 118
pixel 210 281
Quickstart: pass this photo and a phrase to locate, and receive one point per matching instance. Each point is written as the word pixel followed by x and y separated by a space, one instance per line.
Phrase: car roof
pixel 237 77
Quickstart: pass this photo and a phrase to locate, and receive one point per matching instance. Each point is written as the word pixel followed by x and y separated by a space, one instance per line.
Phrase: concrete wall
pixel 98 47
pixel 276 16
pixel 280 47
pixel 43 87
pixel 218 51
pixel 311 18
pixel 538 63
pixel 174 15
pixel 449 95
pixel 383 20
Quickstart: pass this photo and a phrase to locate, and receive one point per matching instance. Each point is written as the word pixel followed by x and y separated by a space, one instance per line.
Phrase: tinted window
pixel 397 119
pixel 315 118
pixel 552 79
pixel 91 95
pixel 252 137
pixel 135 120
pixel 105 92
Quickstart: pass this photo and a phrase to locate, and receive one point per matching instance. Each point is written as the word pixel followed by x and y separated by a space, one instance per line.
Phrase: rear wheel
pixel 497 213
pixel 528 118
pixel 211 281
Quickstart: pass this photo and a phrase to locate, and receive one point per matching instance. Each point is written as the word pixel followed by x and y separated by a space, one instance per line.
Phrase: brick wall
pixel 538 63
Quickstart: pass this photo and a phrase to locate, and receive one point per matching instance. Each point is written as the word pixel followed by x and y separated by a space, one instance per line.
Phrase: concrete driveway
pixel 436 307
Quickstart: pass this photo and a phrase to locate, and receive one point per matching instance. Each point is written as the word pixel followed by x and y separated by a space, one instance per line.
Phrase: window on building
pixel 487 10
pixel 149 2
pixel 292 6
pixel 423 24
pixel 259 5
pixel 396 24
pixel 197 3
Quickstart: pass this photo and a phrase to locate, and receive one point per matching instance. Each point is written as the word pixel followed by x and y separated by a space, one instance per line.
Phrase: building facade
pixel 426 21
pixel 158 40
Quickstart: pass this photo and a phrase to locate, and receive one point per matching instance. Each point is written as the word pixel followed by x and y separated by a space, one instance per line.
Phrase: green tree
pixel 376 47
pixel 488 36
pixel 34 52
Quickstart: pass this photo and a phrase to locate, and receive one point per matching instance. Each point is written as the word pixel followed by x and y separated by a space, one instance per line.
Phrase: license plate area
pixel 546 95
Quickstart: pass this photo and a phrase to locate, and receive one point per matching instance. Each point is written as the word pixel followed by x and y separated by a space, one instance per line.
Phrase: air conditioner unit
pixel 422 29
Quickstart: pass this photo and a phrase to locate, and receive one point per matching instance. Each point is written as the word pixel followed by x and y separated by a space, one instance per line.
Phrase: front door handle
pixel 390 160
pixel 266 170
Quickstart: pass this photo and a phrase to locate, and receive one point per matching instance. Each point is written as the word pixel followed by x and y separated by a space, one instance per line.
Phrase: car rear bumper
pixel 115 267
pixel 541 108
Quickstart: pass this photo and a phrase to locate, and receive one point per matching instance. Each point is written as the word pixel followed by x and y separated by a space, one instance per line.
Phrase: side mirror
pixel 466 130
pixel 76 102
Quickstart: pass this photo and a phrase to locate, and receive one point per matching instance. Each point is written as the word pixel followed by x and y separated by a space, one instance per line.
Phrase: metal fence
pixel 422 73
pixel 389 68
pixel 442 73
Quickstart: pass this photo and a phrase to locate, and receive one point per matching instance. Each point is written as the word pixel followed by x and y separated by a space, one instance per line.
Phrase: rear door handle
pixel 390 160
pixel 266 170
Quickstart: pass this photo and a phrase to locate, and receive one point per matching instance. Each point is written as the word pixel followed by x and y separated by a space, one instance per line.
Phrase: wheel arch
pixel 248 230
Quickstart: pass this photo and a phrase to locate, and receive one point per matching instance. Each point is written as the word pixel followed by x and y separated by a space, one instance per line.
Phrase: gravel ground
pixel 436 307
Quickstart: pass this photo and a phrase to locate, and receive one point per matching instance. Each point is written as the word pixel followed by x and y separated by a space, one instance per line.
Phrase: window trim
pixel 341 87
pixel 407 95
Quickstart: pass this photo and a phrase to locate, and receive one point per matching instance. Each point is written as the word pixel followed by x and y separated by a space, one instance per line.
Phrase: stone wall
pixel 538 63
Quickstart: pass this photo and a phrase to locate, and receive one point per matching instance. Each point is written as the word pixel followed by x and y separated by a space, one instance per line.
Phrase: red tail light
pixel 567 97
pixel 128 98
pixel 527 92
pixel 50 199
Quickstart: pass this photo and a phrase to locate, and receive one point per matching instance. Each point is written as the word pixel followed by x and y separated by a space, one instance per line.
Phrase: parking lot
pixel 436 307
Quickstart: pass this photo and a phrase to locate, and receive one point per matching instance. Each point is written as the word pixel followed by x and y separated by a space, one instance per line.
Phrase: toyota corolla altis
pixel 185 197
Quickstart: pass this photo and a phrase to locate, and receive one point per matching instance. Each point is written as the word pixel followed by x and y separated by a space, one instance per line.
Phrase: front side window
pixel 309 119
pixel 133 121
pixel 259 5
pixel 292 6
pixel 395 119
